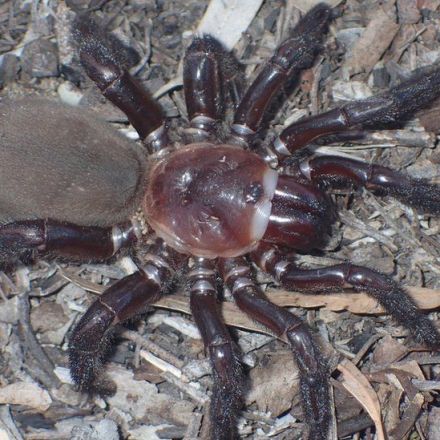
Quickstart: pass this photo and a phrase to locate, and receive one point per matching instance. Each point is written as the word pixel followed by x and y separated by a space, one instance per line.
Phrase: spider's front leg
pixel 393 298
pixel 123 300
pixel 293 55
pixel 342 172
pixel 391 106
pixel 202 79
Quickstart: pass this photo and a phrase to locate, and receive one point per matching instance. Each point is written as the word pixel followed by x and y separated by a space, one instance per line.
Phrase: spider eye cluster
pixel 210 200
pixel 254 192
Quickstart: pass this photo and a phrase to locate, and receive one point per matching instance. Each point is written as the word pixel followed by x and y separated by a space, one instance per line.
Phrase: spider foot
pixel 122 301
pixel 396 301
pixel 389 107
pixel 88 344
pixel 393 298
pixel 84 367
pixel 293 55
pixel 313 369
pixel 103 56
pixel 227 392
pixel 418 193
pixel 316 398
pixel 314 377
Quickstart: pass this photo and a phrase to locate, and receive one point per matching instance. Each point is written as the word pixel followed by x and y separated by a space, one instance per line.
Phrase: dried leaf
pixel 142 400
pixel 360 303
pixel 274 383
pixel 388 350
pixel 359 387
pixel 409 12
pixel 409 417
pixel 401 376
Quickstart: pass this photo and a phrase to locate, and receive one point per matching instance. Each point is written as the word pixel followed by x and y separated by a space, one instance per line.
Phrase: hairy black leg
pixel 337 172
pixel 227 393
pixel 393 298
pixel 65 239
pixel 102 57
pixel 123 300
pixel 292 56
pixel 391 106
pixel 202 83
pixel 314 372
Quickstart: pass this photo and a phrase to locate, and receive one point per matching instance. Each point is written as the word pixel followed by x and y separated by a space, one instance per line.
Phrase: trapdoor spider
pixel 213 201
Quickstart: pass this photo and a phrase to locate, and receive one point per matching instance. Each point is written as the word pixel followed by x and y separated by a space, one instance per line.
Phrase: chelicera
pixel 213 203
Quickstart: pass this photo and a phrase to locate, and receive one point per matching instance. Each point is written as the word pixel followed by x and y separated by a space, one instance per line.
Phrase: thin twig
pixel 46 374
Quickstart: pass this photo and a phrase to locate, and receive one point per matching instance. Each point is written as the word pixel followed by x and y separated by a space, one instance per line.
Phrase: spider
pixel 213 204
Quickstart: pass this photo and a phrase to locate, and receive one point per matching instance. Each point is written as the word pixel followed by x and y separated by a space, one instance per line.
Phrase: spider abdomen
pixel 63 163
pixel 210 200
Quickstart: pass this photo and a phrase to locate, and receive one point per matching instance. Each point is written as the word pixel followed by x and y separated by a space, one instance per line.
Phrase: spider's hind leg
pixel 102 57
pixel 64 239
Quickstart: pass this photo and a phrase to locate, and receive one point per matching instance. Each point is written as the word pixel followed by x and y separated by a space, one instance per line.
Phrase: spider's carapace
pixel 210 200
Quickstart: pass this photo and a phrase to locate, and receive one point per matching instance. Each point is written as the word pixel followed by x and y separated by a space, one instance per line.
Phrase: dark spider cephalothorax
pixel 215 201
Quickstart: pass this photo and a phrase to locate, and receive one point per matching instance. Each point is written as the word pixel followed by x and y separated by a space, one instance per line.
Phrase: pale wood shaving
pixel 27 394
pixel 227 20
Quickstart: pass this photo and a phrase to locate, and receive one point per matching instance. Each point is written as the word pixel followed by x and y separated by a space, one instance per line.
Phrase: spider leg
pixel 202 83
pixel 386 291
pixel 342 172
pixel 387 107
pixel 293 55
pixel 226 397
pixel 314 372
pixel 65 239
pixel 102 57
pixel 123 300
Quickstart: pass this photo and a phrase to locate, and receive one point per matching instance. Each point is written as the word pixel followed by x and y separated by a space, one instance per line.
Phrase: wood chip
pixel 371 45
pixel 27 394
pixel 359 387
pixel 274 383
pixel 226 20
